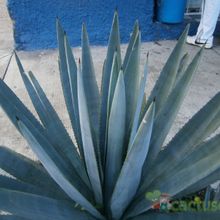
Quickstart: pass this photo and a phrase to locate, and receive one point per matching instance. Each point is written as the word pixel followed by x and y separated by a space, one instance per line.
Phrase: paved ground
pixel 44 65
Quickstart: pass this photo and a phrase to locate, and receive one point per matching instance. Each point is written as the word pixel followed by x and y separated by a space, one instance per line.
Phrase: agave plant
pixel 119 156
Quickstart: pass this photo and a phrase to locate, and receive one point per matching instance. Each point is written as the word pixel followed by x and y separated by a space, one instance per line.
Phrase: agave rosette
pixel 118 156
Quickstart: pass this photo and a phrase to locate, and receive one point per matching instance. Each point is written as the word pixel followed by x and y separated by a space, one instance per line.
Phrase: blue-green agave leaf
pixel 130 176
pixel 201 151
pixel 25 169
pixel 130 45
pixel 167 115
pixel 51 121
pixel 132 83
pixel 203 183
pixel 15 112
pixel 14 184
pixel 72 73
pixel 116 132
pixel 11 217
pixel 7 93
pixel 38 207
pixel 61 138
pixel 182 67
pixel 213 125
pixel 197 167
pixel 143 110
pixel 113 80
pixel 89 82
pixel 140 101
pixel 88 144
pixel 113 45
pixel 197 129
pixel 168 74
pixel 64 76
pixel 68 81
pixel 196 154
pixel 62 141
pixel 55 166
pixel 38 104
pixel 91 92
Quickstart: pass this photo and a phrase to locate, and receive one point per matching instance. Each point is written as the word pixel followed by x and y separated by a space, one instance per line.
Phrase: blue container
pixel 171 11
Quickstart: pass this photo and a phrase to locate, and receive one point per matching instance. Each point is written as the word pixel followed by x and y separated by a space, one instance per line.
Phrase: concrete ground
pixel 44 65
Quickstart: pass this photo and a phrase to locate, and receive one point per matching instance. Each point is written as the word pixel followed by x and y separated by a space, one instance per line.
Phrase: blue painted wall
pixel 34 21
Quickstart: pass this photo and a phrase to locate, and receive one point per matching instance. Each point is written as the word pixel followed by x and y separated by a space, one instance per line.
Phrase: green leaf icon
pixel 153 196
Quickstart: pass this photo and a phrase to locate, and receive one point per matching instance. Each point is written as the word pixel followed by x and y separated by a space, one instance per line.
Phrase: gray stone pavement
pixel 44 65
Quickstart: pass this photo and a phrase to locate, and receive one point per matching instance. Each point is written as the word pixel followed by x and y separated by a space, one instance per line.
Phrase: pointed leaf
pixel 140 100
pixel 58 133
pixel 72 73
pixel 130 176
pixel 88 144
pixel 113 81
pixel 5 91
pixel 197 154
pixel 167 76
pixel 197 129
pixel 198 167
pixel 116 131
pixel 39 132
pixel 89 81
pixel 132 82
pixel 15 112
pixel 68 80
pixel 131 45
pixel 54 127
pixel 25 169
pixel 167 115
pixel 39 106
pixel 113 45
pixel 64 76
pixel 91 91
pixel 54 166
pixel 203 183
pixel 37 207
pixel 13 184
pixel 182 67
